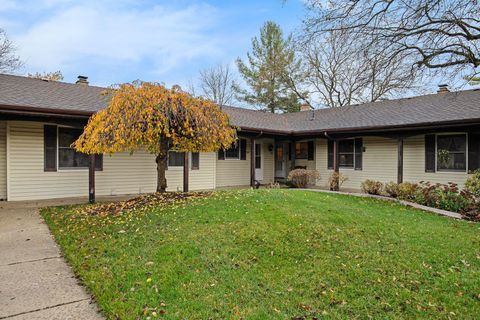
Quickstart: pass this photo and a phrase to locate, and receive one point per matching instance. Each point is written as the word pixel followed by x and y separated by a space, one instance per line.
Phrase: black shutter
pixel 50 148
pixel 473 152
pixel 195 160
pixel 243 149
pixel 311 150
pixel 99 162
pixel 330 154
pixel 291 148
pixel 358 153
pixel 430 153
pixel 221 154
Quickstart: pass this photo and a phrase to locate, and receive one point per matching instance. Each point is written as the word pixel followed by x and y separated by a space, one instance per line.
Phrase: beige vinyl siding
pixel 233 172
pixel 122 173
pixel 414 165
pixel 204 178
pixel 3 160
pixel 379 163
pixel 321 160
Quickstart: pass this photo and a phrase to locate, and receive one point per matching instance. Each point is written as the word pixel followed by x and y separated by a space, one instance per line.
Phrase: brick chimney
pixel 305 107
pixel 82 80
pixel 443 88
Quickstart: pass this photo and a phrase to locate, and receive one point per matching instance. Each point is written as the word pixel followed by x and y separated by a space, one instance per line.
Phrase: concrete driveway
pixel 35 281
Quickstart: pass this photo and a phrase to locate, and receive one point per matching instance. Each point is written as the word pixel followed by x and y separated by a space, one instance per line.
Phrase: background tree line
pixel 348 52
pixel 344 52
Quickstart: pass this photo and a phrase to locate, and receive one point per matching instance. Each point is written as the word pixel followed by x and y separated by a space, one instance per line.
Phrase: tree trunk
pixel 162 166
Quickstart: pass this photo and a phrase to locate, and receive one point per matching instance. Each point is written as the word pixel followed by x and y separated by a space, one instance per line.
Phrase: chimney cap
pixel 82 80
pixel 442 88
pixel 305 107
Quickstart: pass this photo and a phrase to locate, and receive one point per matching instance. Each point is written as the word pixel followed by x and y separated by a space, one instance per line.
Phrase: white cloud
pixel 79 32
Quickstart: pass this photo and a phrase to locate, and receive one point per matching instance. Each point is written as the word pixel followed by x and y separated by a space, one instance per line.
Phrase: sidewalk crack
pixel 41 309
pixel 28 261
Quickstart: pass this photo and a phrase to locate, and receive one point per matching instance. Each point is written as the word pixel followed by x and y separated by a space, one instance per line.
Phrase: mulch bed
pixel 141 203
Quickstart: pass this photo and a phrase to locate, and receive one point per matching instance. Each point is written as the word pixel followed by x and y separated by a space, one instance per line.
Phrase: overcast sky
pixel 116 41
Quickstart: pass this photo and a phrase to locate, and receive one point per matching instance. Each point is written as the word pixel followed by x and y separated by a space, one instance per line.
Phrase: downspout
pixel 258 135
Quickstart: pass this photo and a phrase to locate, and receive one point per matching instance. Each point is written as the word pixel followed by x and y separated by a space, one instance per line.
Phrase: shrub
pixel 472 184
pixel 406 190
pixel 392 189
pixel 426 194
pixel 451 201
pixel 372 187
pixel 336 180
pixel 444 196
pixel 301 178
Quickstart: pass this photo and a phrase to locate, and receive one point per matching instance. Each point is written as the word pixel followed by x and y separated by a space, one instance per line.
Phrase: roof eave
pixel 34 111
pixel 413 126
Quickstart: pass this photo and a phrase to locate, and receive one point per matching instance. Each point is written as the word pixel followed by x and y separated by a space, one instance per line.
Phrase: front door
pixel 258 162
pixel 280 160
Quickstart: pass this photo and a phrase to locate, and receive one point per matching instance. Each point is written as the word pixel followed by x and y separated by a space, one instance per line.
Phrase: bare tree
pixel 217 84
pixel 8 60
pixel 435 33
pixel 339 72
pixel 191 88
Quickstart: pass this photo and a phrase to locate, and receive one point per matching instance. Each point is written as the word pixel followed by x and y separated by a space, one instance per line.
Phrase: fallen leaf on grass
pixel 141 203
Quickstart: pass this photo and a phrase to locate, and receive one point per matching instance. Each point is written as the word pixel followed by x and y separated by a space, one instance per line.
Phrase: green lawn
pixel 274 254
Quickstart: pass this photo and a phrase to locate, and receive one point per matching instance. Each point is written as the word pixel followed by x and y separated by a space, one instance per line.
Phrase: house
pixel 433 138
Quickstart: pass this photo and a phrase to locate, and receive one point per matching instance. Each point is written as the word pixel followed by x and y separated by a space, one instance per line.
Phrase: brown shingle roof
pixel 425 110
pixel 16 91
pixel 36 93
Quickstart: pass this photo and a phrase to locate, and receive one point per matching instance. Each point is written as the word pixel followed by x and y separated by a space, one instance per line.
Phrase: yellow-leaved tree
pixel 148 116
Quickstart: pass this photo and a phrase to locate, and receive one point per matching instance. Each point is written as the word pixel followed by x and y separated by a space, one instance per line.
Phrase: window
pixel 195 160
pixel 258 156
pixel 301 150
pixel 451 152
pixel 50 148
pixel 233 152
pixel 346 153
pixel 175 159
pixel 350 153
pixel 67 156
pixel 238 151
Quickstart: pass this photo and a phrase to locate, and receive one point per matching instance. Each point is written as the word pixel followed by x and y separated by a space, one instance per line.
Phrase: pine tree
pixel 271 58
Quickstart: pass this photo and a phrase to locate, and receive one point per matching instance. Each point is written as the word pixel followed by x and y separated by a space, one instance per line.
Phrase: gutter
pixel 33 111
pixel 418 126
pixel 80 114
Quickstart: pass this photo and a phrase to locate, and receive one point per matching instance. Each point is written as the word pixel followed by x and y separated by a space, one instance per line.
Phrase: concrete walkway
pixel 35 281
